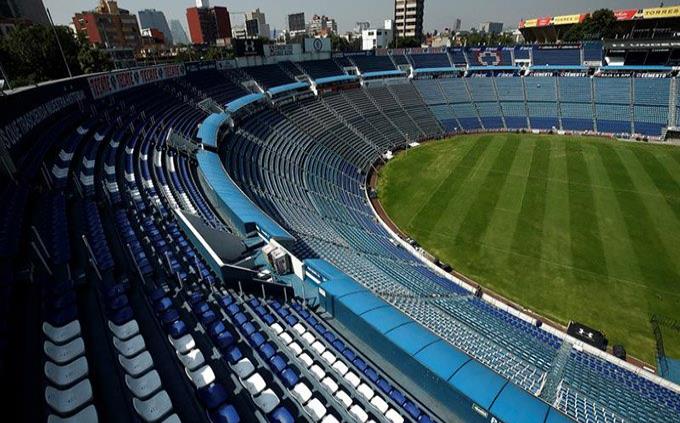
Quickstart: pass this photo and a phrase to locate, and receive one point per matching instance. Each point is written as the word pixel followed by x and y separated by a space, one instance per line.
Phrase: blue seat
pixel 233 354
pixel 278 363
pixel 169 316
pixel 156 294
pixel 292 320
pixel 412 409
pixel 290 378
pixel 360 364
pixel 224 340
pixel 240 318
pixel 216 329
pixel 257 339
pixel 201 308
pixel 122 316
pixel 339 345
pixel 384 385
pixel 248 328
pixel 398 397
pixel 177 329
pixel 268 319
pixel 212 396
pixel 163 304
pixel 208 317
pixel 232 309
pixel 424 418
pixel 281 415
pixel 225 414
pixel 226 301
pixel 195 298
pixel 267 350
pixel 349 354
pixel 371 374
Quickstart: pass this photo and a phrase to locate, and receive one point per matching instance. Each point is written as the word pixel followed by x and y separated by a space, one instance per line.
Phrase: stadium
pixel 319 239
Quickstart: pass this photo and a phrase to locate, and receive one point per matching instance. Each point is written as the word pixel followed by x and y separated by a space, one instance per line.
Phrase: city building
pixel 109 27
pixel 491 27
pixel 359 27
pixel 296 23
pixel 262 25
pixel 252 28
pixel 373 38
pixel 203 4
pixel 179 35
pixel 239 32
pixel 23 10
pixel 152 18
pixel 207 25
pixel 322 26
pixel 408 18
pixel 457 25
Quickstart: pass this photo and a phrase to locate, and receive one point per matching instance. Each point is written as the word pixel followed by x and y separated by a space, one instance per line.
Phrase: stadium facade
pixel 118 214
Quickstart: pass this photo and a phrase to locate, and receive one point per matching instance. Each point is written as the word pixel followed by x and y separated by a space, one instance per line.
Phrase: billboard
pixel 282 50
pixel 317 45
pixel 661 12
pixel 569 19
pixel 114 82
pixel 243 48
pixel 625 14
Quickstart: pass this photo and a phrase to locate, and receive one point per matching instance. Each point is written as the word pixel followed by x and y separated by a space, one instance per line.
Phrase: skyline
pixel 439 14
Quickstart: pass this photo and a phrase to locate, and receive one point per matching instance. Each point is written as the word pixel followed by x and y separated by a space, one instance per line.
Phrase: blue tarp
pixel 640 68
pixel 207 133
pixel 480 384
pixel 234 200
pixel 288 87
pixel 243 101
pixel 442 359
pixel 492 68
pixel 332 79
pixel 383 74
pixel 517 405
pixel 323 270
pixel 558 67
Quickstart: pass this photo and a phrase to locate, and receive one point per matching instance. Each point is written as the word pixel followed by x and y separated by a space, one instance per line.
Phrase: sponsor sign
pixel 200 66
pixel 544 21
pixel 529 23
pixel 317 45
pixel 244 48
pixel 661 12
pixel 625 14
pixel 114 82
pixel 568 19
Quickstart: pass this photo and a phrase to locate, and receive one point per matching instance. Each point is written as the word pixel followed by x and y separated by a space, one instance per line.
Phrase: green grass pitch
pixel 573 228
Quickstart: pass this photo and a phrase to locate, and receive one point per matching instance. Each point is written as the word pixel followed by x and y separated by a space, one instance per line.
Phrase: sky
pixel 439 14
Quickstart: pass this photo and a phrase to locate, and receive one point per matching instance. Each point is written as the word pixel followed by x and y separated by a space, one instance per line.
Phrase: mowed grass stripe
pixel 655 264
pixel 587 251
pixel 432 209
pixel 528 232
pixel 661 178
pixel 619 253
pixel 481 212
pixel 556 245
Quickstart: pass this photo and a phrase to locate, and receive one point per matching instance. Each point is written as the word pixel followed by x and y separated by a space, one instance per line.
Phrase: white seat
pixel 302 393
pixel 67 374
pixel 126 331
pixel 243 368
pixel 300 329
pixel 61 334
pixel 308 338
pixel 68 400
pixel 87 415
pixel 295 347
pixel 329 357
pixel 366 391
pixel 276 328
pixel 153 409
pixel 358 413
pixel 330 385
pixel 255 384
pixel 183 344
pixel 267 401
pixel 330 419
pixel 131 347
pixel 393 416
pixel 344 398
pixel 201 377
pixel 315 408
pixel 380 404
pixel 62 354
pixel 341 367
pixel 306 359
pixel 137 365
pixel 172 419
pixel 352 379
pixel 286 338
pixel 144 386
pixel 317 371
pixel 318 347
pixel 192 360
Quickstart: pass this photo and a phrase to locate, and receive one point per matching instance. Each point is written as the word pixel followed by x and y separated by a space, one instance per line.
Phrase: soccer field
pixel 573 228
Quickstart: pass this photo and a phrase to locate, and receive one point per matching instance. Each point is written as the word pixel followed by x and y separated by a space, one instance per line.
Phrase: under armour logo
pixel 250 46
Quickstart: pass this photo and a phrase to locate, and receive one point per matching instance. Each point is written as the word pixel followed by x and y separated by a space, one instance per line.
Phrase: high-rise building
pixel 491 27
pixel 31 10
pixel 179 34
pixel 360 26
pixel 207 25
pixel 109 26
pixel 152 18
pixel 262 26
pixel 203 4
pixel 296 23
pixel 408 18
pixel 457 25
pixel 322 25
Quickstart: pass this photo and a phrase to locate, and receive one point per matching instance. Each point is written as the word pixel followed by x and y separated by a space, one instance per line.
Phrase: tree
pixel 30 54
pixel 92 59
pixel 597 26
pixel 405 42
pixel 339 43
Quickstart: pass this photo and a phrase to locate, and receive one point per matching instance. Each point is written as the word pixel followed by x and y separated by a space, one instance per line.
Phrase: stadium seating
pixel 432 60
pixel 134 322
pixel 557 56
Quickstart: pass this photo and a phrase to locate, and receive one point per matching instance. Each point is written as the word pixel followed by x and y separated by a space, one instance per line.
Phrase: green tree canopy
pixel 597 26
